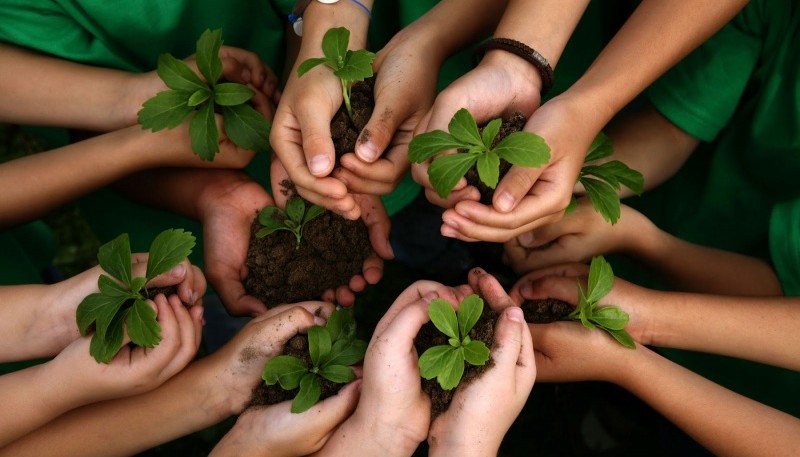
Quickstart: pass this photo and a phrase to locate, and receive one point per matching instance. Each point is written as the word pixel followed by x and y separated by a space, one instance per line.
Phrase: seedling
pixel 602 181
pixel 446 362
pixel 189 94
pixel 121 300
pixel 293 219
pixel 475 149
pixel 348 66
pixel 332 349
pixel 612 319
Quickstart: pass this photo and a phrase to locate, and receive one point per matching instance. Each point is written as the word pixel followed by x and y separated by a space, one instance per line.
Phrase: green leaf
pixel 177 75
pixel 167 110
pixel 103 349
pixel 261 233
pixel 524 149
pixel 334 45
pixel 143 329
pixel 208 61
pixel 347 352
pixel 476 353
pixel 584 316
pixel 199 96
pixel 295 209
pixel 115 258
pixel 94 305
pixel 117 296
pixel 340 324
pixel 625 175
pixel 452 370
pixel 246 127
pixel 432 361
pixel 488 166
pixel 443 317
pixel 313 212
pixel 601 279
pixel 307 65
pixel 600 148
pixel 603 197
pixel 610 317
pixel 426 145
pixel 271 214
pixel 137 284
pixel 469 311
pixel 339 374
pixel 602 173
pixel 168 249
pixel 319 344
pixel 203 132
pixel 490 132
pixel 464 129
pixel 573 205
pixel 623 337
pixel 445 171
pixel 284 369
pixel 357 66
pixel 229 94
pixel 310 391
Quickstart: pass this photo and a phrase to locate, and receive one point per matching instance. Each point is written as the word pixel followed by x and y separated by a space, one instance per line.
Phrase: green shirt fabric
pixel 740 94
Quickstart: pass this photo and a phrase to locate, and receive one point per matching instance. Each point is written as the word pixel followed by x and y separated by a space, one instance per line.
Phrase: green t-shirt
pixel 784 241
pixel 738 93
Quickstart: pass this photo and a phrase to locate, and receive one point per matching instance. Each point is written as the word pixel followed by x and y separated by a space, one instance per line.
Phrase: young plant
pixel 602 181
pixel 475 148
pixel 348 66
pixel 121 301
pixel 188 94
pixel 332 349
pixel 612 319
pixel 446 362
pixel 293 219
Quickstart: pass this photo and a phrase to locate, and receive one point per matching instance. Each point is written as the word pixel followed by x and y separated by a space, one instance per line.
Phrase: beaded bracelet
pixel 524 51
pixel 296 16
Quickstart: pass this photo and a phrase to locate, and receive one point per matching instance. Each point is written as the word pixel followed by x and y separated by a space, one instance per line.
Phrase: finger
pixel 493 293
pixel 423 291
pixel 397 338
pixel 172 277
pixel 187 334
pixel 237 301
pixel 389 113
pixel 199 286
pixel 526 363
pixel 375 217
pixel 515 185
pixel 271 334
pixel 508 338
pixel 197 315
pixel 469 221
pixel 345 296
pixel 329 413
pixel 320 309
pixel 363 184
pixel 557 287
pixel 317 142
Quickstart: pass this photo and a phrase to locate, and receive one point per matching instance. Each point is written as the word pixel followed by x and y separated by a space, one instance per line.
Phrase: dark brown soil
pixel 297 346
pixel 545 310
pixel 344 130
pixel 332 251
pixel 430 336
pixel 153 291
pixel 513 124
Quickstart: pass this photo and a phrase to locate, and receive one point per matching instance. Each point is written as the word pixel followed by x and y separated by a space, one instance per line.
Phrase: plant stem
pixel 346 93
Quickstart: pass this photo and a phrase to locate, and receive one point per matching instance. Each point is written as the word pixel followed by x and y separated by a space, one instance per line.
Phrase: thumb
pixel 508 337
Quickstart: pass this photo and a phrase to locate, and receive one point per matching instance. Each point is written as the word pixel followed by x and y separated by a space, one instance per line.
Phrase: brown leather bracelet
pixel 522 50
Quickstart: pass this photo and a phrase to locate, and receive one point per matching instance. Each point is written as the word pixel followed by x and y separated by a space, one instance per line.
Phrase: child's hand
pixel 188 279
pixel 274 431
pixel 132 370
pixel 578 237
pixel 465 428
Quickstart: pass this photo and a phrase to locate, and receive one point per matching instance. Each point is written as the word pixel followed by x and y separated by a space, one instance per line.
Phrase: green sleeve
pixel 701 93
pixel 784 240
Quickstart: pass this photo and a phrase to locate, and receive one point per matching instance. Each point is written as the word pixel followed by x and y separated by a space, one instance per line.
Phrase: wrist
pixel 318 18
pixel 381 439
pixel 523 73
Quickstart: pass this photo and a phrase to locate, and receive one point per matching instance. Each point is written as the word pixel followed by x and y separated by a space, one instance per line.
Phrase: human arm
pixel 44 90
pixel 566 352
pixel 406 72
pixel 760 329
pixel 465 429
pixel 655 37
pixel 206 392
pixel 35 395
pixel 685 266
pixel 300 134
pixel 39 320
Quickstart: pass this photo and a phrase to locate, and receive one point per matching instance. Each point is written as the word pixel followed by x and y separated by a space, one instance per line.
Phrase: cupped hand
pixel 227 213
pixel 133 370
pixel 274 431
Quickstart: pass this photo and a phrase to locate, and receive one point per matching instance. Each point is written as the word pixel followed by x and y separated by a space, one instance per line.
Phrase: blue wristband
pixel 296 16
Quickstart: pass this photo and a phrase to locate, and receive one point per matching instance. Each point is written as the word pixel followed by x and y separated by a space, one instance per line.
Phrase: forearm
pixel 35 184
pixel 740 426
pixel 761 329
pixel 182 405
pixel 656 36
pixel 372 439
pixel 43 90
pixel 319 17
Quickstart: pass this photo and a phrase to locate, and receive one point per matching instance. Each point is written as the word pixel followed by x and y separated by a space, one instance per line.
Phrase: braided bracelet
pixel 522 50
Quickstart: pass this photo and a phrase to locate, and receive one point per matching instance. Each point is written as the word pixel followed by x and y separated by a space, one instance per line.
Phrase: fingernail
pixel 505 202
pixel 246 75
pixel 178 270
pixel 319 164
pixel 515 314
pixel 451 222
pixel 526 239
pixel 367 151
pixel 429 296
pixel 525 289
pixel 449 231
